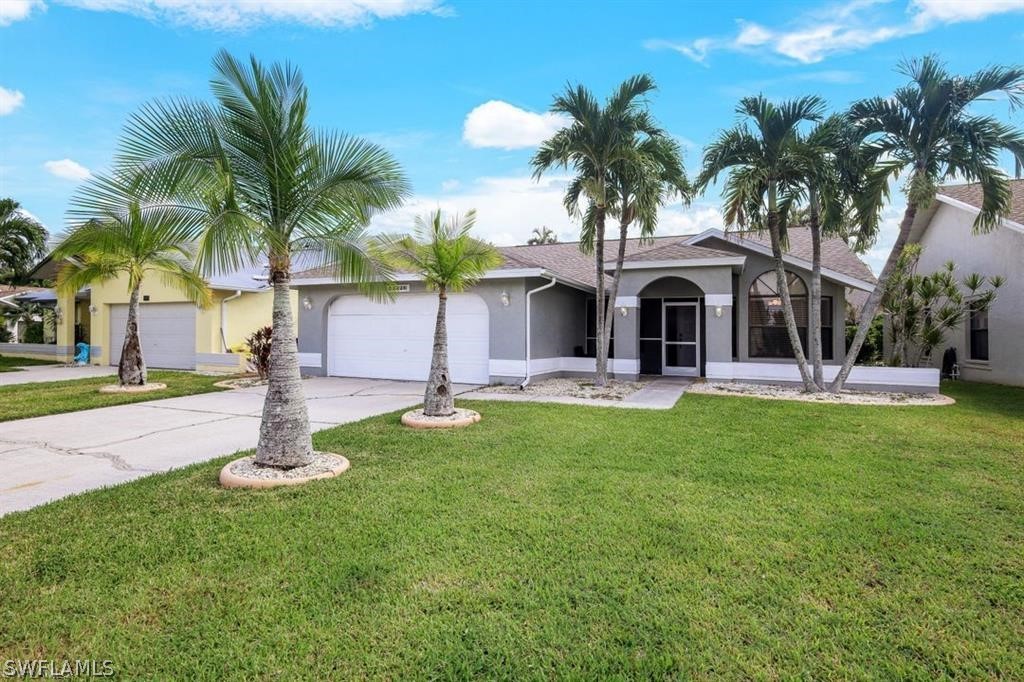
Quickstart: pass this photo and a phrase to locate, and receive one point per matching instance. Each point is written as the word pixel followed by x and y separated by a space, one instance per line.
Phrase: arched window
pixel 766 321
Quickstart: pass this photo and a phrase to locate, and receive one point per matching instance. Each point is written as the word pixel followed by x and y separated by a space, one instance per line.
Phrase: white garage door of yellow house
pixel 396 340
pixel 167 330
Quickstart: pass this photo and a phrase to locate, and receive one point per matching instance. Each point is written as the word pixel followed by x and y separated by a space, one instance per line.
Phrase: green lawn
pixel 729 537
pixel 9 364
pixel 21 401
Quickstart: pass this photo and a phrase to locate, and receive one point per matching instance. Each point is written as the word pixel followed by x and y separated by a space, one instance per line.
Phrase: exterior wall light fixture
pixel 505 299
pixel 307 303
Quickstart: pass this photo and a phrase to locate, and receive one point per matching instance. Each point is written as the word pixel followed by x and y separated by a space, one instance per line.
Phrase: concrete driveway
pixel 46 458
pixel 37 373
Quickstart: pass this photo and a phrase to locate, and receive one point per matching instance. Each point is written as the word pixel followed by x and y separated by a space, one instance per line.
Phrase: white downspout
pixel 529 294
pixel 224 317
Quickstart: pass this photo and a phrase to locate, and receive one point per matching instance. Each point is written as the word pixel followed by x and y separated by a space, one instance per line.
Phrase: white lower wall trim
pixel 310 359
pixel 627 301
pixel 917 377
pixel 225 359
pixel 35 348
pixel 506 368
pixel 717 299
pixel 539 366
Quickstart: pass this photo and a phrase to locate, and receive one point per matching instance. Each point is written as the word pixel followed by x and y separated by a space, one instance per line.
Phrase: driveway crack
pixel 116 461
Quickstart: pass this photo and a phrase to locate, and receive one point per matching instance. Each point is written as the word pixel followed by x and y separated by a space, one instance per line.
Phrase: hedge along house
pixel 702 305
pixel 175 333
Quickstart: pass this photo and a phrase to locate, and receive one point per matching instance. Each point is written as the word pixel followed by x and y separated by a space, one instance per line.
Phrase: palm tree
pixel 268 185
pixel 22 241
pixel 764 166
pixel 638 186
pixel 450 260
pixel 595 139
pixel 926 131
pixel 833 167
pixel 542 235
pixel 132 244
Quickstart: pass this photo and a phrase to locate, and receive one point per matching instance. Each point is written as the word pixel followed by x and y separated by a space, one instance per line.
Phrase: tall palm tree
pixel 22 241
pixel 926 130
pixel 595 139
pixel 268 186
pixel 542 235
pixel 823 201
pixel 450 260
pixel 132 244
pixel 764 166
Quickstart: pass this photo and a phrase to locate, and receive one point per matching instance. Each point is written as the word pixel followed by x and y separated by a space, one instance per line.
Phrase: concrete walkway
pixel 46 458
pixel 659 394
pixel 38 373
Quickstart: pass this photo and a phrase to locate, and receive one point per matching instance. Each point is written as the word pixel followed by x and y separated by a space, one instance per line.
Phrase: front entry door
pixel 681 351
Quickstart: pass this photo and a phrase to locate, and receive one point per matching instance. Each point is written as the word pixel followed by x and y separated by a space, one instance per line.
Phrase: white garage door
pixel 168 332
pixel 396 340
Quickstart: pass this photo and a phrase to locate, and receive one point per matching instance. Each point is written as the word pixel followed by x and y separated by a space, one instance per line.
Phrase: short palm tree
pixel 268 186
pixel 595 139
pixel 132 244
pixel 22 241
pixel 542 235
pixel 450 260
pixel 926 130
pixel 764 166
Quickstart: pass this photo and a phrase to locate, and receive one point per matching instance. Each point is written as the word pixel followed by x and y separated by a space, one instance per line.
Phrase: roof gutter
pixel 529 295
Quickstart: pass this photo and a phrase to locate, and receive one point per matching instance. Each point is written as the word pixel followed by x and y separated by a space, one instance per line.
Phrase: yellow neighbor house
pixel 175 333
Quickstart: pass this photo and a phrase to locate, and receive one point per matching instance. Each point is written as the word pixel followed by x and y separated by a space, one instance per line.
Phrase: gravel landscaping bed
pixel 774 392
pixel 572 388
pixel 460 417
pixel 322 463
pixel 242 382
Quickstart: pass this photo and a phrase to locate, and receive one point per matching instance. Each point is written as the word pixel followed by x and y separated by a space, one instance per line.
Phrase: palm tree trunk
pixel 601 361
pixel 285 440
pixel 870 309
pixel 131 370
pixel 438 400
pixel 620 257
pixel 787 304
pixel 815 302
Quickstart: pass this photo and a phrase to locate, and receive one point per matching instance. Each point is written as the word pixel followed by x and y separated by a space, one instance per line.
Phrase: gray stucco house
pixel 699 305
pixel 990 346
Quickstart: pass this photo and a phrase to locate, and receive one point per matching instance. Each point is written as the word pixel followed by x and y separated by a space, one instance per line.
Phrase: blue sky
pixel 458 90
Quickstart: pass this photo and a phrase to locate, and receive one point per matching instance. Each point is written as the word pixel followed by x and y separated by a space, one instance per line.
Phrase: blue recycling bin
pixel 81 353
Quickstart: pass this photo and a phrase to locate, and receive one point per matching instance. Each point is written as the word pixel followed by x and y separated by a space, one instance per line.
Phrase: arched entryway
pixel 672 323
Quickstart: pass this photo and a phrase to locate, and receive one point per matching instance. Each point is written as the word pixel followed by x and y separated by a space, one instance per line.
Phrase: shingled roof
pixel 972 195
pixel 835 253
pixel 565 260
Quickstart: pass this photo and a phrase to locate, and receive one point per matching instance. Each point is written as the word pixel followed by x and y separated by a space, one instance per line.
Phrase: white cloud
pixel 500 124
pixel 450 185
pixel 952 11
pixel 245 14
pixel 67 169
pixel 16 10
pixel 10 100
pixel 820 33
